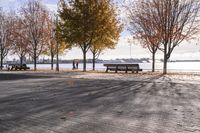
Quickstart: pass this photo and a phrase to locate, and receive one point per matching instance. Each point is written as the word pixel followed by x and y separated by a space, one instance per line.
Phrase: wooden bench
pixel 123 67
pixel 18 67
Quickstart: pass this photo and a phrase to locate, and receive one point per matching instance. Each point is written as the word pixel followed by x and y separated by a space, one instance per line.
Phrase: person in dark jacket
pixel 77 64
pixel 73 64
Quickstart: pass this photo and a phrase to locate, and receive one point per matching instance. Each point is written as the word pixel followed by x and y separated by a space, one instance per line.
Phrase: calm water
pixel 172 66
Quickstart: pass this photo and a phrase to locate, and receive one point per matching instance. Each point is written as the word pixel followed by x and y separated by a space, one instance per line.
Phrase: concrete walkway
pixel 46 104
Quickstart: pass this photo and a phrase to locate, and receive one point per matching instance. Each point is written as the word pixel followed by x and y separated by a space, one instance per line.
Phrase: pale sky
pixel 186 50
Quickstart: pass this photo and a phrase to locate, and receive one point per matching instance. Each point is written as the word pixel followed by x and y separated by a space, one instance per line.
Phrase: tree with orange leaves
pixel 52 41
pixel 85 23
pixel 20 38
pixel 142 29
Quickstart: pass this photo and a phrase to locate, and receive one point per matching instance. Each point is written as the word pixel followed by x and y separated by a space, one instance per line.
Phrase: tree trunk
pixel 84 60
pixel 52 62
pixel 153 61
pixel 57 59
pixel 1 67
pixel 93 62
pixel 165 60
pixel 21 60
pixel 35 60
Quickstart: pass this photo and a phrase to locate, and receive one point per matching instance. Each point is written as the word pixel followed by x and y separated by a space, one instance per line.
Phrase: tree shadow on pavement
pixel 100 106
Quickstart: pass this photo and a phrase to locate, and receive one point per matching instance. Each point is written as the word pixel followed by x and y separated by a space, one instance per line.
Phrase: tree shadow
pixel 37 75
pixel 98 105
pixel 8 76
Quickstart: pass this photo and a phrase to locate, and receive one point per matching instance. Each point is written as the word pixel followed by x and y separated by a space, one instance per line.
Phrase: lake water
pixel 172 66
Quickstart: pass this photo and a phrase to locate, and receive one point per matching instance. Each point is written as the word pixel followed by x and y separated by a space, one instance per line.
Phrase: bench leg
pixel 106 69
pixel 132 71
pixel 126 70
pixel 116 69
pixel 137 70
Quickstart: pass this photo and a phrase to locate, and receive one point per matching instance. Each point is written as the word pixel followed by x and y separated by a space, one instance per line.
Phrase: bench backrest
pixel 18 65
pixel 122 65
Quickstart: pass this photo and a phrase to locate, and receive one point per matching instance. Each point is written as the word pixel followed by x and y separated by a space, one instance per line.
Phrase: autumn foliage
pixel 89 24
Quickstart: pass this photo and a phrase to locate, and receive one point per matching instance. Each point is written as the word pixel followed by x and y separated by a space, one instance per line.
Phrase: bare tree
pixel 141 28
pixel 174 21
pixel 5 34
pixel 35 15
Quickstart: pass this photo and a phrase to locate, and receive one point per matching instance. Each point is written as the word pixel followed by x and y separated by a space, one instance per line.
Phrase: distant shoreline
pixel 105 61
pixel 172 66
